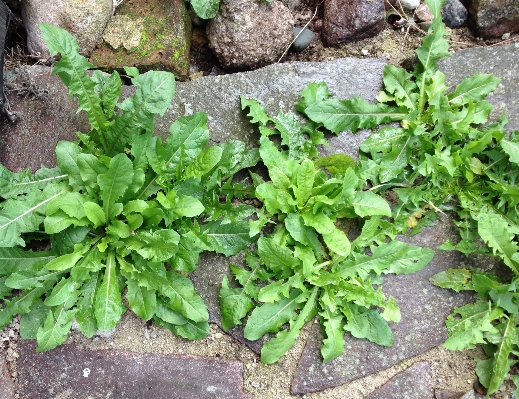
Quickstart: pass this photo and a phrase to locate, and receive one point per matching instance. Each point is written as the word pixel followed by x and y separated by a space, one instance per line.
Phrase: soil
pixel 452 371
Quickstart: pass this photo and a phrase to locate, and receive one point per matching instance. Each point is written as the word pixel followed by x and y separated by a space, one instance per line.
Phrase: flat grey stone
pixel 74 373
pixel 501 61
pixel 277 87
pixel 423 307
pixel 413 383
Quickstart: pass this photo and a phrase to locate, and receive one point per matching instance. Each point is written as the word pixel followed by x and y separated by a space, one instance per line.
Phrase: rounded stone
pixel 410 4
pixel 454 13
pixel 423 13
pixel 303 38
pixel 84 19
pixel 248 34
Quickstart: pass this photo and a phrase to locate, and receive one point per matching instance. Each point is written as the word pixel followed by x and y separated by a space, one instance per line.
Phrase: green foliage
pixel 116 214
pixel 127 214
pixel 444 155
pixel 308 265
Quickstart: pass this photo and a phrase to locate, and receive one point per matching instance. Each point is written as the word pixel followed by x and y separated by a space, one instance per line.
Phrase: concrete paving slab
pixel 413 383
pixel 74 373
pixel 6 383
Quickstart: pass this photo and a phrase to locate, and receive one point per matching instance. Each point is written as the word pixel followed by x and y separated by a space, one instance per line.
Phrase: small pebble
pixel 410 4
pixel 303 40
pixel 218 335
pixel 364 52
pixel 318 25
pixel 423 13
pixel 454 13
pixel 506 36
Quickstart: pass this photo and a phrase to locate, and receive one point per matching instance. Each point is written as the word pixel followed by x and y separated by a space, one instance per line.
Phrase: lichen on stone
pixel 124 31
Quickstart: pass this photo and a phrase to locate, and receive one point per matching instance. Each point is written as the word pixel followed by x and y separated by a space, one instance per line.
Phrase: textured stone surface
pixel 423 13
pixel 413 383
pixel 448 394
pixel 4 24
pixel 147 34
pixel 501 61
pixel 454 13
pixel 6 383
pixel 345 21
pixel 84 19
pixel 46 115
pixel 277 87
pixel 302 38
pixel 493 18
pixel 250 34
pixel 423 306
pixel 73 373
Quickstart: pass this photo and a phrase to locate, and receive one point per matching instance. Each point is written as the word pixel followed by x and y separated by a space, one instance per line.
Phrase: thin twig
pixel 301 31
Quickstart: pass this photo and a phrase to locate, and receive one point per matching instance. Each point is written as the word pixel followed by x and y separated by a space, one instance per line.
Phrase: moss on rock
pixel 148 35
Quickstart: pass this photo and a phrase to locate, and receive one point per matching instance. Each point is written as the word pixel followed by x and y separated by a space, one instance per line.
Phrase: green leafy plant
pixel 444 156
pixel 123 214
pixel 307 265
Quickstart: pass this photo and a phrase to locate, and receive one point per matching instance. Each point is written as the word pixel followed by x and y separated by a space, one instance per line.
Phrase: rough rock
pixel 84 19
pixel 423 13
pixel 501 61
pixel 454 14
pixel 147 34
pixel 6 383
pixel 46 115
pixel 448 394
pixel 303 38
pixel 292 4
pixel 415 382
pixel 410 4
pixel 74 373
pixel 345 21
pixel 491 19
pixel 4 25
pixel 248 34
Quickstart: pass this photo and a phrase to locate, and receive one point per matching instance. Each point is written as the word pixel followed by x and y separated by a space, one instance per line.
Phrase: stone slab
pixel 45 116
pixel 413 383
pixel 501 61
pixel 74 373
pixel 6 383
pixel 277 87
